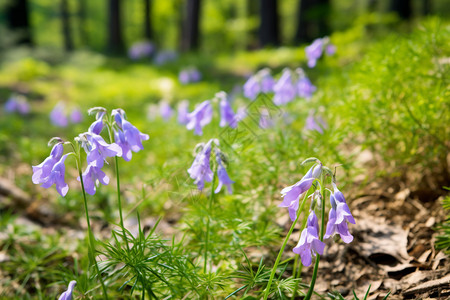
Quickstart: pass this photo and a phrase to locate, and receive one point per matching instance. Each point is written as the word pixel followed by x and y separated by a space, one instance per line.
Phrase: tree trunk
pixel 82 12
pixel 402 8
pixel 268 28
pixel 66 32
pixel 147 19
pixel 312 20
pixel 115 41
pixel 18 21
pixel 190 38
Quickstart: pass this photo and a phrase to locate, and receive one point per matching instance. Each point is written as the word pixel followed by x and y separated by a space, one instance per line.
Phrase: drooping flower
pixel 222 174
pixel 43 170
pixel 132 136
pixel 17 103
pixel 67 295
pixel 91 176
pixel 251 88
pixel 57 177
pixel 339 216
pixel 291 194
pixel 58 115
pixel 305 88
pixel 200 170
pixel 140 50
pixel 314 52
pixel 227 115
pixel 183 111
pixel 309 243
pixel 165 110
pixel 284 89
pixel 262 81
pixel 97 126
pixel 76 116
pixel 189 75
pixel 315 123
pixel 98 150
pixel 200 117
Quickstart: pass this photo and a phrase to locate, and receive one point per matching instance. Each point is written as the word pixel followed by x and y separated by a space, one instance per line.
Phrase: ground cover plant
pixel 317 174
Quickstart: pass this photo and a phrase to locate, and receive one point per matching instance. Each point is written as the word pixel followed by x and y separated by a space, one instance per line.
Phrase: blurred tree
pixel 66 29
pixel 269 27
pixel 82 22
pixel 147 19
pixel 18 20
pixel 190 30
pixel 402 8
pixel 312 20
pixel 115 40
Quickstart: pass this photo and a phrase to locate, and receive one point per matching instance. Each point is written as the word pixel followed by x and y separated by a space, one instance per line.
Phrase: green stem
pixel 120 205
pixel 211 198
pixel 277 261
pixel 316 265
pixel 91 236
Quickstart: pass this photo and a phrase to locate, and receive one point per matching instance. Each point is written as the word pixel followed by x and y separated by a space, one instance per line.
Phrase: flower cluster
pixel 292 84
pixel 339 215
pixel 189 75
pixel 141 50
pixel 17 103
pixel 261 82
pixel 60 115
pixel 315 50
pixel 127 138
pixel 201 171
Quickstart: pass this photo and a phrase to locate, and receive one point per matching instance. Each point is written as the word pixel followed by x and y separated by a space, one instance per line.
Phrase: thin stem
pixel 120 205
pixel 211 198
pixel 277 261
pixel 316 265
pixel 91 236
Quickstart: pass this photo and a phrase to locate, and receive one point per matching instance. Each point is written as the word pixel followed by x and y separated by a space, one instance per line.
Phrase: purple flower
pixel 67 295
pixel 189 75
pixel 17 104
pixel 291 194
pixel 91 175
pixel 330 49
pixel 200 170
pixel 309 243
pixel 183 111
pixel 165 110
pixel 57 177
pixel 200 117
pixel 183 77
pixel 267 81
pixel 315 123
pixel 132 138
pixel 339 216
pixel 141 50
pixel 76 116
pixel 251 88
pixel 314 52
pixel 42 171
pixel 163 57
pixel 284 89
pixel 227 115
pixel 11 105
pixel 58 116
pixel 265 121
pixel 222 175
pixel 99 150
pixel 97 126
pixel 262 81
pixel 305 88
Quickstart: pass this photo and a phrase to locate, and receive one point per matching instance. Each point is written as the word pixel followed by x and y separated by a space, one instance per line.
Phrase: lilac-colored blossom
pixel 99 150
pixel 262 81
pixel 265 120
pixel 183 111
pixel 97 126
pixel 189 75
pixel 291 194
pixel 165 110
pixel 314 52
pixel 200 170
pixel 43 170
pixel 251 88
pixel 56 177
pixel 305 88
pixel 76 116
pixel 91 176
pixel 227 115
pixel 58 115
pixel 314 122
pixel 309 243
pixel 339 216
pixel 164 57
pixel 67 295
pixel 17 103
pixel 330 49
pixel 141 50
pixel 241 113
pixel 200 117
pixel 222 175
pixel 285 90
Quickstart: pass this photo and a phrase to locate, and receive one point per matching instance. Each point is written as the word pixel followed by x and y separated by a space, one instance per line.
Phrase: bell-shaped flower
pixel 305 88
pixel 291 194
pixel 284 89
pixel 165 110
pixel 133 137
pixel 67 295
pixel 56 177
pixel 58 115
pixel 200 117
pixel 97 126
pixel 222 175
pixel 183 111
pixel 43 170
pixel 265 120
pixel 17 103
pixel 251 88
pixel 99 150
pixel 91 176
pixel 309 243
pixel 315 123
pixel 338 217
pixel 200 170
pixel 227 115
pixel 262 81
pixel 314 52
pixel 76 116
pixel 120 140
